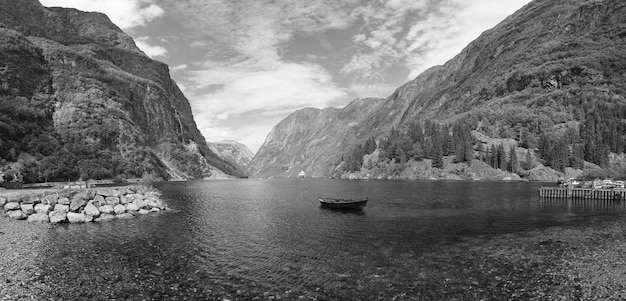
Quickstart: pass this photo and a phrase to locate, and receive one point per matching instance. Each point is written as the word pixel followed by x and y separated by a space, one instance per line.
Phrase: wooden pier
pixel 616 195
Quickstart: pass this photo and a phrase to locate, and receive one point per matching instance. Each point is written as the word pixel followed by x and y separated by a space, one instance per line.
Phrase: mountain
pixel 79 99
pixel 304 139
pixel 236 153
pixel 550 76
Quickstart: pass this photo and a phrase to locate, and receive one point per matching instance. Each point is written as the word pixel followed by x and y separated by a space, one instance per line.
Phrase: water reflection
pixel 260 238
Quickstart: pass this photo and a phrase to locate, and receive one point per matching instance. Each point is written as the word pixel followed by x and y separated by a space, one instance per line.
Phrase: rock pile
pixel 85 205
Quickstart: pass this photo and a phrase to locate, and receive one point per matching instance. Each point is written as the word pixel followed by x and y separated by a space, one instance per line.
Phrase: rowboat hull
pixel 342 204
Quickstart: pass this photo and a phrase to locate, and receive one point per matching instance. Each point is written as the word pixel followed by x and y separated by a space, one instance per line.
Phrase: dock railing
pixel 603 194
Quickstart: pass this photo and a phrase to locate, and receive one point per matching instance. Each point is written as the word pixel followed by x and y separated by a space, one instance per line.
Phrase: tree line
pixel 601 130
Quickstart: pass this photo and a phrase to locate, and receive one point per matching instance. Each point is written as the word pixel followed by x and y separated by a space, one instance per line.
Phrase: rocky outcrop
pixel 79 88
pixel 87 205
pixel 422 170
pixel 535 72
pixel 236 153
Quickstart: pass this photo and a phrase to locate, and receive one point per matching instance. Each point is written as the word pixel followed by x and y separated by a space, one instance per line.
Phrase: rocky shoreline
pixel 82 205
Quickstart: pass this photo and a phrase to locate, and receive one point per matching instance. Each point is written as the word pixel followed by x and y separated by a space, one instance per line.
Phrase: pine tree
pixel 501 157
pixel 481 152
pixel 513 163
pixel 493 158
pixel 528 163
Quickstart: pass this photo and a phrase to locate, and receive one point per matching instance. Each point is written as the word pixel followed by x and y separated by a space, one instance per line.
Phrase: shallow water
pixel 247 239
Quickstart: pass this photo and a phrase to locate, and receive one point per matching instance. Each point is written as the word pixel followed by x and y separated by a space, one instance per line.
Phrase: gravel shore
pixel 20 243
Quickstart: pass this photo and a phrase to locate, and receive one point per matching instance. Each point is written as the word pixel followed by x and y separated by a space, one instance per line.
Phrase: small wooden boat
pixel 342 203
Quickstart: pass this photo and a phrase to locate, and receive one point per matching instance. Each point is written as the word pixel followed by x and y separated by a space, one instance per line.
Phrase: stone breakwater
pixel 84 205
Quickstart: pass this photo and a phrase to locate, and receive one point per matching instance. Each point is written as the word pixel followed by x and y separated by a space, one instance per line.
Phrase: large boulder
pixel 43 209
pixel 152 203
pixel 109 193
pixel 60 207
pixel 3 200
pixel 30 199
pixel 119 209
pixel 98 201
pixel 27 208
pixel 38 217
pixel 12 206
pixel 64 201
pixel 78 201
pixel 132 208
pixel 143 211
pixel 16 214
pixel 51 199
pixel 126 199
pixel 106 209
pixel 57 216
pixel 141 203
pixel 92 210
pixel 73 217
pixel 112 200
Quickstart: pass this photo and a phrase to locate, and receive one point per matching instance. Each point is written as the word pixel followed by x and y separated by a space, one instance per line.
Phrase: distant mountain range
pixel 78 99
pixel 551 78
pixel 234 152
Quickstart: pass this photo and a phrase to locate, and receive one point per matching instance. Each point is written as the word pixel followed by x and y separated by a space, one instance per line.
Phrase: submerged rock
pixel 105 217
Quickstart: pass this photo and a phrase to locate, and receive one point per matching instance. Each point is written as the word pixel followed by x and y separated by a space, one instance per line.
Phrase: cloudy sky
pixel 245 65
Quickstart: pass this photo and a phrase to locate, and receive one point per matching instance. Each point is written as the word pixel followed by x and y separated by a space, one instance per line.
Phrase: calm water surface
pixel 266 239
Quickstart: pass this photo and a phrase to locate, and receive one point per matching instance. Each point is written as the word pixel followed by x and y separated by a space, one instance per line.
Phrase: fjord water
pixel 247 239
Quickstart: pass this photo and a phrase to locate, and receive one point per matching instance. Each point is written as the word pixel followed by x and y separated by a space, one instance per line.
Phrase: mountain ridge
pixel 105 108
pixel 543 71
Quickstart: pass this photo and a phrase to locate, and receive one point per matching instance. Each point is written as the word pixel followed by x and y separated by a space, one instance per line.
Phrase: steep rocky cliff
pixel 79 99
pixel 311 140
pixel 541 71
pixel 236 153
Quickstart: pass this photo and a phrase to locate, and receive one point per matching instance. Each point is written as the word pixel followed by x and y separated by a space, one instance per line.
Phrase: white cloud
pixel 380 90
pixel 418 33
pixel 261 96
pixel 124 13
pixel 179 67
pixel 150 50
